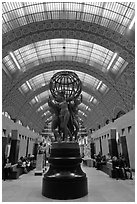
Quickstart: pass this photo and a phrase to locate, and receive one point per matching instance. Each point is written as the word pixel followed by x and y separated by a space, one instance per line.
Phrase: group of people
pixel 7 169
pixel 27 163
pixel 65 118
pixel 100 160
pixel 119 164
pixel 121 167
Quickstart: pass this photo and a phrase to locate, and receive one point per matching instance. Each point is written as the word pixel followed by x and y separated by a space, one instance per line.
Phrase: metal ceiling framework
pixel 95 40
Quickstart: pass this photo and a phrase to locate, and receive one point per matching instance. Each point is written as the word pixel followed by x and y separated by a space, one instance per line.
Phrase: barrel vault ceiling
pixel 95 40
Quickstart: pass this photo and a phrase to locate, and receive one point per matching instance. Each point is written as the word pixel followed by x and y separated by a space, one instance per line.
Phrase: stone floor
pixel 101 188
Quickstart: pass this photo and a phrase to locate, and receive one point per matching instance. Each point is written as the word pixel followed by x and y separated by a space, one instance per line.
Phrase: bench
pixel 88 162
pixel 16 171
pixel 108 169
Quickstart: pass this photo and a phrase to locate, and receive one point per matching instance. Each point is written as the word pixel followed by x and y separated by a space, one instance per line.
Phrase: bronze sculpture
pixel 65 88
pixel 65 178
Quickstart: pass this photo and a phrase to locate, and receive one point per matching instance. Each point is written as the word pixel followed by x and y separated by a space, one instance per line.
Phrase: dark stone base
pixel 65 178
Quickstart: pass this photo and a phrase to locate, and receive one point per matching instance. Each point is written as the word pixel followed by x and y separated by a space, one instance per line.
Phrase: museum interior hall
pixel 68 101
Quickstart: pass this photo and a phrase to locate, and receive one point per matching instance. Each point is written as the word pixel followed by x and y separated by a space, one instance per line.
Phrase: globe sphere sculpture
pixel 65 82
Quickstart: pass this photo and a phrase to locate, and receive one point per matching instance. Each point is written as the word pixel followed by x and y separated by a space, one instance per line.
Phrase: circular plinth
pixel 65 178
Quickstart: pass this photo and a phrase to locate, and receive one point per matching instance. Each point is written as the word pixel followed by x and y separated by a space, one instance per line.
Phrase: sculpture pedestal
pixel 39 165
pixel 65 178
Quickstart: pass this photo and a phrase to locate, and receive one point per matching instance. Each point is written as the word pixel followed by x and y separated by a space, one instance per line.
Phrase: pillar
pixel 113 150
pixel 35 149
pixel 15 142
pixel 124 148
pixel 92 148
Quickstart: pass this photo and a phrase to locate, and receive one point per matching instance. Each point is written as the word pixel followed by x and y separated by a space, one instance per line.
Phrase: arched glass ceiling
pixel 114 15
pixel 61 49
pixel 45 95
pixel 44 78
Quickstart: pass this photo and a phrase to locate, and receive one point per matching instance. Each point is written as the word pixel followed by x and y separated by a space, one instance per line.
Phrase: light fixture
pixel 41 107
pixel 15 60
pixel 29 85
pixel 86 107
pixel 132 23
pixel 36 99
pixel 90 100
pixel 99 85
pixel 112 60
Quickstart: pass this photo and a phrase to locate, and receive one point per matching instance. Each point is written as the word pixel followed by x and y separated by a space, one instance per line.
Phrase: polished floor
pixel 101 188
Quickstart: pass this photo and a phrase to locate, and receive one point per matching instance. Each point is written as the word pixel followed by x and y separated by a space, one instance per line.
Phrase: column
pixel 15 143
pixel 112 143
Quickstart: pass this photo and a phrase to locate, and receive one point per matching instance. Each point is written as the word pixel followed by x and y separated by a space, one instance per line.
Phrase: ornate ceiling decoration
pixel 94 40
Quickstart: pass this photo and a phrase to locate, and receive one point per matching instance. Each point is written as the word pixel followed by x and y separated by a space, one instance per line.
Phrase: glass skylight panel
pixel 46 113
pixel 72 6
pixel 103 88
pixel 36 8
pixel 87 80
pixel 36 53
pixel 47 75
pixel 39 109
pixel 9 64
pixel 91 12
pixel 84 107
pixel 43 95
pixel 25 88
pixel 84 43
pixel 94 101
pixel 129 13
pixel 40 80
pixel 86 95
pixel 37 82
pixel 45 106
pixel 33 101
pixel 81 112
pixel 82 51
pixel 91 80
pixel 118 65
pixel 104 22
pixel 19 57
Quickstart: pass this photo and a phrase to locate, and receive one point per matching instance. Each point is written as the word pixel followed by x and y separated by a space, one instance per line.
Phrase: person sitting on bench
pixel 126 168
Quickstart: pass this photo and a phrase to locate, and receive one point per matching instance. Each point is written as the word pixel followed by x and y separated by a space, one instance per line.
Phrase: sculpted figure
pixel 73 107
pixel 65 87
pixel 64 114
pixel 55 110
